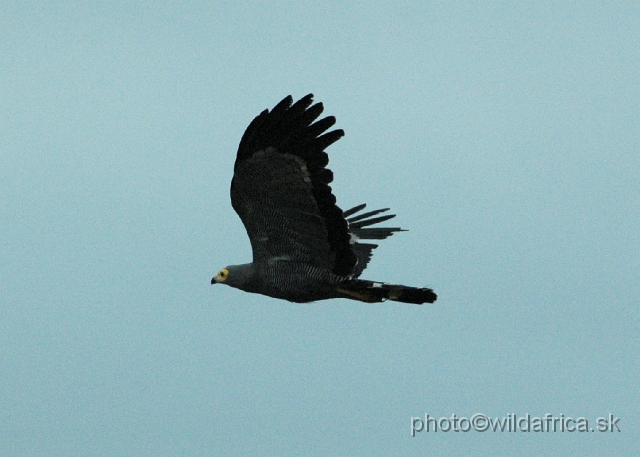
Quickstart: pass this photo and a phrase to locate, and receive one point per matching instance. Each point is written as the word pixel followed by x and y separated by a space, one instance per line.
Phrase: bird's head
pixel 234 275
pixel 221 276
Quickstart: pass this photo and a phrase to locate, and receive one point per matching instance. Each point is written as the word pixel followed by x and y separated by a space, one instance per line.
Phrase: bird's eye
pixel 223 274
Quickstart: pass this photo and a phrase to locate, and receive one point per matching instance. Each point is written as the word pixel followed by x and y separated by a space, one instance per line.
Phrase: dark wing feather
pixel 357 225
pixel 281 191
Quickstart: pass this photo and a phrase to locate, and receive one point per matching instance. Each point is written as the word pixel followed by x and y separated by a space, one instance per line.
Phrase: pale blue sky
pixel 505 136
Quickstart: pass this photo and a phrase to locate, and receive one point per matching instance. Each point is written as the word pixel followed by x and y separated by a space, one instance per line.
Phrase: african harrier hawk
pixel 305 247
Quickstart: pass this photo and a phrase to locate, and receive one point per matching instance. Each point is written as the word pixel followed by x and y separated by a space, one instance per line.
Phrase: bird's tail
pixel 375 292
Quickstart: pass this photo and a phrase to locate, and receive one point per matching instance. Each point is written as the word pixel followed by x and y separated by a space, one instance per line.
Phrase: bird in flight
pixel 305 248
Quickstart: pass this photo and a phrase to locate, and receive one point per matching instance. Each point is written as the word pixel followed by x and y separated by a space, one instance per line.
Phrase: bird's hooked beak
pixel 213 281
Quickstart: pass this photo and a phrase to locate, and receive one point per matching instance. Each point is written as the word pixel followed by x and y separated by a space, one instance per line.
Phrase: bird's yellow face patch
pixel 222 275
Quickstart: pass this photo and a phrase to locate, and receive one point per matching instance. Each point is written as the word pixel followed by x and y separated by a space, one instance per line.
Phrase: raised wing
pixel 280 188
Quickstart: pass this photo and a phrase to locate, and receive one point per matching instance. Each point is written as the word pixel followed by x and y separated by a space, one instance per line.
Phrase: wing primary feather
pixel 319 127
pixel 354 210
pixel 299 108
pixel 375 220
pixel 365 215
pixel 278 111
pixel 311 115
pixel 376 233
pixel 326 140
pixel 248 138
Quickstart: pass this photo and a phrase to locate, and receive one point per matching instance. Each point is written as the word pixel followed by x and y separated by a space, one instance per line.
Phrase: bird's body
pixel 294 281
pixel 305 248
